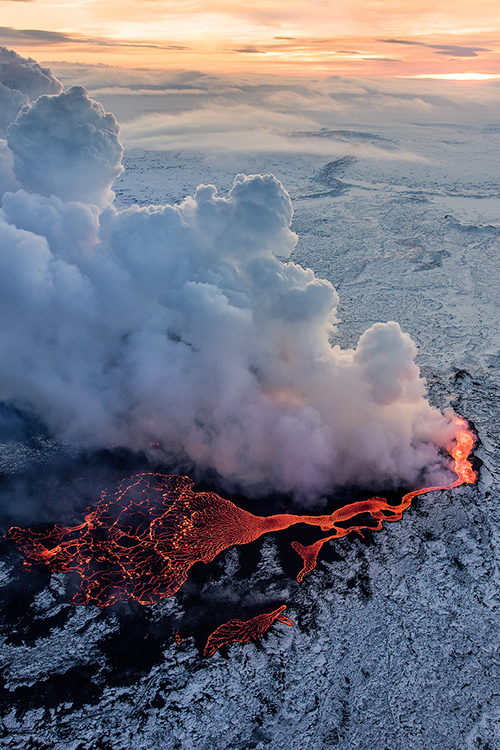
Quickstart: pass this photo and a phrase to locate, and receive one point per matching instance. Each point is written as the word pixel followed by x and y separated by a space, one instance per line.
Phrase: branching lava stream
pixel 244 630
pixel 140 542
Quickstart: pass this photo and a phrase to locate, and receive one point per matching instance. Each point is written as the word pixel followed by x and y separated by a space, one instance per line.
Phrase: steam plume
pixel 67 146
pixel 180 326
pixel 22 79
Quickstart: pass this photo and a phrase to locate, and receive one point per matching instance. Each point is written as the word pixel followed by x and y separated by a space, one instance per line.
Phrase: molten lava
pixel 140 542
pixel 380 510
pixel 244 630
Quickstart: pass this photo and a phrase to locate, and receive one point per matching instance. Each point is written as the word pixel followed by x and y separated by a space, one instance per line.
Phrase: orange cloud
pixel 359 37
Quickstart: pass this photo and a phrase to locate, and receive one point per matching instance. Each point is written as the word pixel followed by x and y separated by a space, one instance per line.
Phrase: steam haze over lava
pixel 182 330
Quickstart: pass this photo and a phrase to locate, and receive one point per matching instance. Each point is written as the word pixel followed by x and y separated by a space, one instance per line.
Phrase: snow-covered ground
pixel 395 645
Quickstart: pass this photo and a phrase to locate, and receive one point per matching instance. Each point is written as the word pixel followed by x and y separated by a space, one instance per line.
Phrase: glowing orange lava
pixel 140 542
pixel 244 630
pixel 381 511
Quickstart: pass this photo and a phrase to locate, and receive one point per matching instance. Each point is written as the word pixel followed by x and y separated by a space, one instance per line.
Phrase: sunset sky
pixel 386 38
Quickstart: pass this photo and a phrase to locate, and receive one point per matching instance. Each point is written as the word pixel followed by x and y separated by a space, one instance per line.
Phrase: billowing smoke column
pixel 68 146
pixel 21 80
pixel 180 326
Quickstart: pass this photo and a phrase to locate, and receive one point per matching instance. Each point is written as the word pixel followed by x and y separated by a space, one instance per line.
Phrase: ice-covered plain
pixel 396 638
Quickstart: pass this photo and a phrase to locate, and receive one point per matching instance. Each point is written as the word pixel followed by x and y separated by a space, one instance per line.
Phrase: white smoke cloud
pixel 178 331
pixel 68 146
pixel 11 101
pixel 26 75
pixel 21 80
pixel 7 179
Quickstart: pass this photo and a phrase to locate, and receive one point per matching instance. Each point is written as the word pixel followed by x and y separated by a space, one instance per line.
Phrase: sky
pixel 453 39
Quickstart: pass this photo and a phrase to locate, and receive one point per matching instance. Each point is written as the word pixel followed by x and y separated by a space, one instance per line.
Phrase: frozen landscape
pixel 395 643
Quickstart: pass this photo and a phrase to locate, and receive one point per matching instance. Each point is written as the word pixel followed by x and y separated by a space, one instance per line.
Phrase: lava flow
pixel 244 630
pixel 140 542
pixel 381 511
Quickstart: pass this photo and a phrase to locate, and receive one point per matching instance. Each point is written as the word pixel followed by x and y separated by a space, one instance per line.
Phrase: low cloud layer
pixel 143 97
pixel 244 128
pixel 181 332
pixel 176 109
